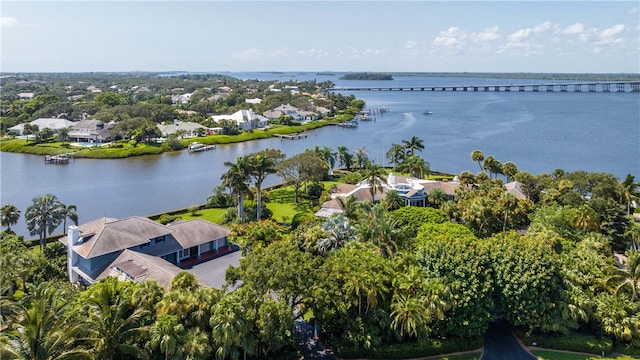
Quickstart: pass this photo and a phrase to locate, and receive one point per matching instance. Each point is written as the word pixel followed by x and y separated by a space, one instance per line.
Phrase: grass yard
pixel 558 355
pixel 213 215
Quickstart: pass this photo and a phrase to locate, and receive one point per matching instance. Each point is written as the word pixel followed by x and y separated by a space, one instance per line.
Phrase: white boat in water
pixel 427 112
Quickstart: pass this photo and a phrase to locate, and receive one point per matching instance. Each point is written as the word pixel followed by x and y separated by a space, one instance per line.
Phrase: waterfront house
pixel 90 131
pixel 51 123
pixel 244 119
pixel 102 246
pixel 289 110
pixel 189 128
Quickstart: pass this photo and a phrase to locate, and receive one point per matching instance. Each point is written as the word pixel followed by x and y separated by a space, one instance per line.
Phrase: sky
pixel 375 36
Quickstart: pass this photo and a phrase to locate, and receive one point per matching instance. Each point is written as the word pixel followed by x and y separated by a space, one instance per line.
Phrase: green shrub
pixel 408 350
pixel 572 342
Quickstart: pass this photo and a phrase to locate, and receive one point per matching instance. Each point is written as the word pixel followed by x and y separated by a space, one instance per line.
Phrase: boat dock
pixel 349 124
pixel 197 147
pixel 292 136
pixel 58 159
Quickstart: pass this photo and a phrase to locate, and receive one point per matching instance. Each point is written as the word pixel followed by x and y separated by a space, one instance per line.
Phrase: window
pixel 159 240
pixel 185 253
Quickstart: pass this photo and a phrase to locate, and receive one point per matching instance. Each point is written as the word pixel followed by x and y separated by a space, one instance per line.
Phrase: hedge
pixel 408 350
pixel 572 342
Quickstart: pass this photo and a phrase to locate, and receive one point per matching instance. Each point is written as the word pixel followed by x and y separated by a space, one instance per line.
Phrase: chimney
pixel 73 237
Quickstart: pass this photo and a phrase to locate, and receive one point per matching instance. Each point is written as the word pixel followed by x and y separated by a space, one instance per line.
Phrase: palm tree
pixel 377 227
pixel 393 200
pixel 628 275
pixel 374 175
pixel 585 219
pixel 492 166
pixel 438 197
pixel 413 144
pixel 327 155
pixel 630 189
pixel 196 345
pixel 414 165
pixel 112 324
pixel 37 329
pixel 338 231
pixel 237 179
pixel 70 213
pixel 509 169
pixel 395 155
pixel 349 206
pixel 166 334
pixel 344 157
pixel 261 164
pixel 478 157
pixel 44 216
pixel 9 215
pixel 361 157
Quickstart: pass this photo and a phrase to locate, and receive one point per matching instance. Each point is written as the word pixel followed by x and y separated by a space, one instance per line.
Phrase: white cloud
pixel 451 38
pixel 633 11
pixel 7 21
pixel 410 44
pixel 574 29
pixel 612 31
pixel 488 34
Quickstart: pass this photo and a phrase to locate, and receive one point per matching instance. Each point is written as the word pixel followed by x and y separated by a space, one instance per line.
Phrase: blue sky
pixel 419 36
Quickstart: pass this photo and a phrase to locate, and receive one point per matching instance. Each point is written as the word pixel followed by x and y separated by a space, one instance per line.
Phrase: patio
pixel 209 255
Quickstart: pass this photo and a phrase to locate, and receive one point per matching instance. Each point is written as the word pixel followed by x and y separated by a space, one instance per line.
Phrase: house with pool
pixel 137 248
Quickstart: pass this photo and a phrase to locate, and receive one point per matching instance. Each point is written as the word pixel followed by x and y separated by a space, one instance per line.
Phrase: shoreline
pixel 123 149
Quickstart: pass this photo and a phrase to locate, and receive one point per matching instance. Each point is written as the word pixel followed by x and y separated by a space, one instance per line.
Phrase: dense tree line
pixel 376 276
pixel 144 97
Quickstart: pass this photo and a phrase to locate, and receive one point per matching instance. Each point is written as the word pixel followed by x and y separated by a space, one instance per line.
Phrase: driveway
pixel 500 344
pixel 212 272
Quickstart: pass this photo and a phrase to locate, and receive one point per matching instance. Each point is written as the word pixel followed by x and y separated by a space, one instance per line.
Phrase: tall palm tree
pixel 166 334
pixel 70 212
pixel 374 176
pixel 478 156
pixel 630 190
pixel 395 155
pixel 9 215
pixel 44 216
pixel 349 206
pixel 361 157
pixel 327 155
pixel 262 164
pixel 509 169
pixel 413 144
pixel 237 179
pixel 344 157
pixel 415 165
pixel 377 227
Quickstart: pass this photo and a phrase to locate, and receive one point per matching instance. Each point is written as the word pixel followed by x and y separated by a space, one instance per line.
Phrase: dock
pixel 58 159
pixel 292 136
pixel 349 124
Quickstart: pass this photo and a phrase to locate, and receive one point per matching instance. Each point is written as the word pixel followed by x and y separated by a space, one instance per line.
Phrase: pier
pixel 590 87
pixel 58 159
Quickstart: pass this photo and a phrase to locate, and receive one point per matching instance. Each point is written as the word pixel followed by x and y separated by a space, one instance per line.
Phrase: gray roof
pixel 135 266
pixel 107 235
pixel 195 232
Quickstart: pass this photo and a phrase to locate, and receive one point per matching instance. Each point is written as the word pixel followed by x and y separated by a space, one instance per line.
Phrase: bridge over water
pixel 598 86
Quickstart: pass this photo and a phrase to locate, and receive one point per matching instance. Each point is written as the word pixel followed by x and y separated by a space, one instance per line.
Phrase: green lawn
pixel 213 215
pixel 557 355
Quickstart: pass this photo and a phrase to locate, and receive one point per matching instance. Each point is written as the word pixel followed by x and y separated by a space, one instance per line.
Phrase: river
pixel 538 131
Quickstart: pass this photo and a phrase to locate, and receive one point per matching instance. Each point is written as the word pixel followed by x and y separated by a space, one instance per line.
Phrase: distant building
pixel 244 119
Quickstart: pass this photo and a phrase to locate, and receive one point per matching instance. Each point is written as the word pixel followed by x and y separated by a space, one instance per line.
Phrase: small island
pixel 366 76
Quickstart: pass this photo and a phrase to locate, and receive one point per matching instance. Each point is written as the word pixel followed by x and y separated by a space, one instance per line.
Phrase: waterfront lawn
pixel 31 147
pixel 215 216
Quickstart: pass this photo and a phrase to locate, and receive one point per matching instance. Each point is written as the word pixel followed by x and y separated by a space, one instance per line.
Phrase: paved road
pixel 500 344
pixel 310 346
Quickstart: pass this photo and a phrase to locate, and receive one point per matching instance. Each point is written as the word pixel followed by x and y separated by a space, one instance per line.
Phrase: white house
pixel 42 123
pixel 92 131
pixel 190 128
pixel 244 119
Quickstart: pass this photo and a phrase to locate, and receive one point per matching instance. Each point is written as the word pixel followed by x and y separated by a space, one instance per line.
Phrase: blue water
pixel 538 131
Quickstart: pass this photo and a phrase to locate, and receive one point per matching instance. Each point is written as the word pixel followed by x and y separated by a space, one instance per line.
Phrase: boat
pixel 427 112
pixel 197 147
